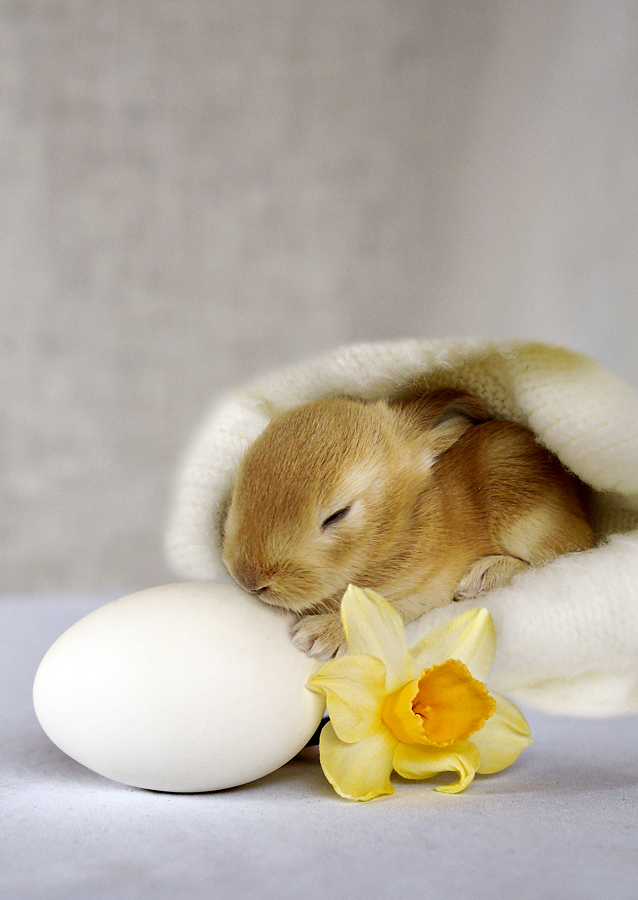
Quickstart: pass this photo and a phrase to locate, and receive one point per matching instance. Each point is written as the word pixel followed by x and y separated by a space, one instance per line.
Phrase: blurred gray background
pixel 194 192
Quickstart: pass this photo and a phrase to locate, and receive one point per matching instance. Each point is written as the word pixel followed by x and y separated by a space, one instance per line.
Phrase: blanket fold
pixel 567 632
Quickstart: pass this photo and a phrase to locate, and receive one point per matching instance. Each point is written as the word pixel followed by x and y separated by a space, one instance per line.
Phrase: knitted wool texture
pixel 567 632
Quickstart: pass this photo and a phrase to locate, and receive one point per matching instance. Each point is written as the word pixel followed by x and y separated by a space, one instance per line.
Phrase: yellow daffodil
pixel 419 710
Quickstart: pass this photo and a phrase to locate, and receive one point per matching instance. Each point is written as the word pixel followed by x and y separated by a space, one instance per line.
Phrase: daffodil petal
pixel 358 771
pixel 418 761
pixel 503 737
pixel 469 637
pixel 355 692
pixel 373 627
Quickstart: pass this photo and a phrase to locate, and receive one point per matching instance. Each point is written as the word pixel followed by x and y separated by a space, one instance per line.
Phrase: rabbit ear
pixel 459 414
pixel 442 417
pixel 446 433
pixel 453 403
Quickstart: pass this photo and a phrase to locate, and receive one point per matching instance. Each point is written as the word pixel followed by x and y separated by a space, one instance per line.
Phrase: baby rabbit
pixel 426 501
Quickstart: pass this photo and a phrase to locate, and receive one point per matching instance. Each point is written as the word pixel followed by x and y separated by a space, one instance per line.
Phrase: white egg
pixel 183 687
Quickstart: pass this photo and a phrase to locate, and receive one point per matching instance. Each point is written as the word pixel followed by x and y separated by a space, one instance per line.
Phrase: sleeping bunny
pixel 425 500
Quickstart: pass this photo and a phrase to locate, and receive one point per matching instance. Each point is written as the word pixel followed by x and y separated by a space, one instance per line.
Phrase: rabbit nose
pixel 253 583
pixel 250 581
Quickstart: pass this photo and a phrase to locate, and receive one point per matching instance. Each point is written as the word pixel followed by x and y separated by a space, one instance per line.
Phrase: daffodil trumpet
pixel 418 710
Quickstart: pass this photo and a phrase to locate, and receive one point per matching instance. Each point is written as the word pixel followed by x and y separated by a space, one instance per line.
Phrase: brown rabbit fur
pixel 426 501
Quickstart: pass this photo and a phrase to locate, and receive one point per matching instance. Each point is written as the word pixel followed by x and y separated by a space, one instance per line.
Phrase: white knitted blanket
pixel 567 632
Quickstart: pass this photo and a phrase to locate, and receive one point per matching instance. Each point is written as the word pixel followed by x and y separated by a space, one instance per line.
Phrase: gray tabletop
pixel 560 823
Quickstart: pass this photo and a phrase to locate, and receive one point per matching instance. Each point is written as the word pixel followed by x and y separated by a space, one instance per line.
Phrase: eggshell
pixel 183 687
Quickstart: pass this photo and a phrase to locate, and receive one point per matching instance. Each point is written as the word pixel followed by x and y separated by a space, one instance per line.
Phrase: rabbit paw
pixel 320 635
pixel 488 573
